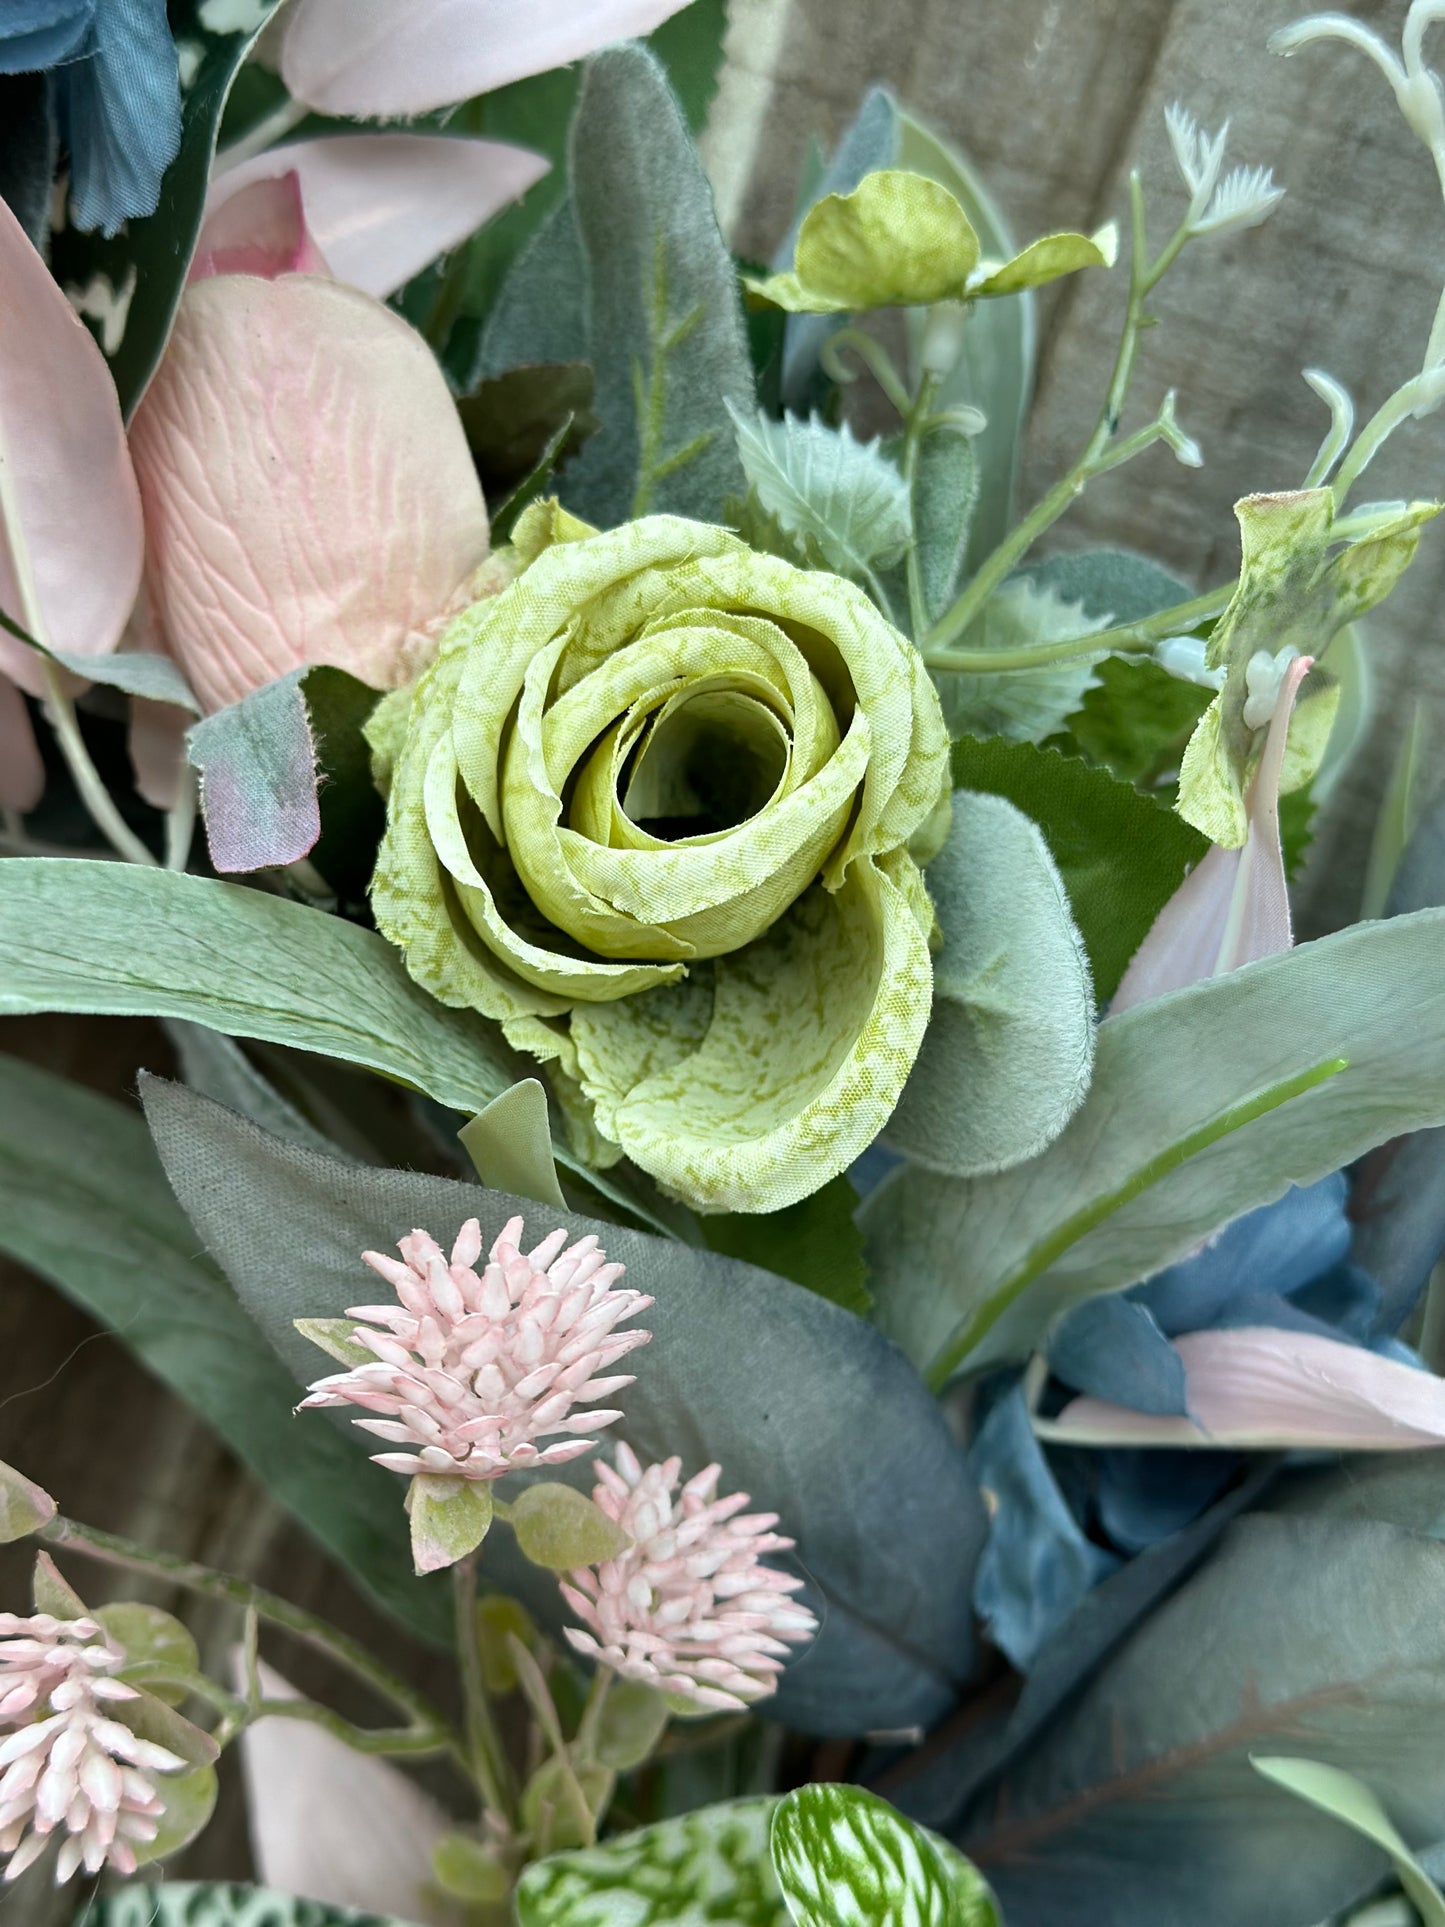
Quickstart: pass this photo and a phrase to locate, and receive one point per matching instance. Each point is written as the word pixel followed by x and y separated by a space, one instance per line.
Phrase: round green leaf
pixel 560 1528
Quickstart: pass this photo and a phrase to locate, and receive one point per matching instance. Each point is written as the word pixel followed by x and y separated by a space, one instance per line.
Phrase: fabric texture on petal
pixel 120 111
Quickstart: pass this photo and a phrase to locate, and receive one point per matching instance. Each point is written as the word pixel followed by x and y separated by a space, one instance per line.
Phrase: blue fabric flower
pixel 117 96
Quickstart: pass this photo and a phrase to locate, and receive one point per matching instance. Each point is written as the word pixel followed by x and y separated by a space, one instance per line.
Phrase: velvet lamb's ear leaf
pixel 845 1858
pixel 1351 1802
pixel 1296 1066
pixel 84 1203
pixel 1006 1057
pixel 749 1370
pixel 218 1903
pixel 1322 1635
pixel 258 778
pixel 944 496
pixel 667 338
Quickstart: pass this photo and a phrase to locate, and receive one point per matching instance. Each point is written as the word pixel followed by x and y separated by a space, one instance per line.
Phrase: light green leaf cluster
pixel 1295 594
pixel 1023 705
pixel 841 500
pixel 845 1858
pixel 651 812
pixel 902 240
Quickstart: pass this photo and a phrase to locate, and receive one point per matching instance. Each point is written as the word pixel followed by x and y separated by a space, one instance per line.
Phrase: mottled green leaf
pixel 1156 1160
pixel 842 499
pixel 1089 818
pixel 1351 1802
pixel 449 1519
pixel 1006 1058
pixel 1024 705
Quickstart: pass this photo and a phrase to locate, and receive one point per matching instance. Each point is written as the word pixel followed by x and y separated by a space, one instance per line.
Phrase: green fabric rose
pixel 658 808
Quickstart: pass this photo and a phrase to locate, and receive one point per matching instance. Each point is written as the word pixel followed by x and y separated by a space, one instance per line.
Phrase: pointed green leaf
pixel 510 1145
pixel 845 1858
pixel 335 1338
pixel 53 1592
pixel 1009 1047
pixel 500 1619
pixel 843 501
pixel 945 491
pixel 1351 1802
pixel 449 1519
pixel 24 1506
pixel 559 1527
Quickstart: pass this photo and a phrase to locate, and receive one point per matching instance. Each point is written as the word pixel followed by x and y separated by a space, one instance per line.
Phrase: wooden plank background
pixel 1053 100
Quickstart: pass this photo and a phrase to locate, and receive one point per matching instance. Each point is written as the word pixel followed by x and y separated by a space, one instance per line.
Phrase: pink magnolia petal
pixel 337 1826
pixel 1233 907
pixel 259 228
pixel 1265 1389
pixel 376 58
pixel 381 206
pixel 309 494
pixel 70 515
pixel 22 773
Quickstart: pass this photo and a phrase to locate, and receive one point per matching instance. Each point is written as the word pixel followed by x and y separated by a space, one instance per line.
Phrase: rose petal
pixel 381 206
pixel 1264 1389
pixel 309 493
pixel 378 58
pixel 70 535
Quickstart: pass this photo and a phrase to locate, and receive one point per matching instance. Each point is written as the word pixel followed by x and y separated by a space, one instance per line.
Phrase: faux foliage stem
pixel 485 1750
pixel 60 711
pixel 1125 637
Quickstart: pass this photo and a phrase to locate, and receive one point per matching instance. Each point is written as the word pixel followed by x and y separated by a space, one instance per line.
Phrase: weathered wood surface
pixel 1053 100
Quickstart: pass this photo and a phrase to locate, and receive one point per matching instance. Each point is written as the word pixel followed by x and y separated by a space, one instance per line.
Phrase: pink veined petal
pixel 308 489
pixel 337 1826
pixel 260 227
pixel 1233 907
pixel 70 515
pixel 1266 1389
pixel 377 58
pixel 381 206
pixel 22 773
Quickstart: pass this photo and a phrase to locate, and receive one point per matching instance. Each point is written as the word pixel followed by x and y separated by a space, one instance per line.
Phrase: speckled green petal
pixel 1045 260
pixel 811 1034
pixel 899 240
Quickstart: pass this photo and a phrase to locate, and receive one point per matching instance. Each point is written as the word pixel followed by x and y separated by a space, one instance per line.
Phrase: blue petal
pixel 1347 1299
pixel 1143 1497
pixel 1112 1348
pixel 871 1167
pixel 1277 1249
pixel 36 34
pixel 1399 1203
pixel 1037 1565
pixel 120 105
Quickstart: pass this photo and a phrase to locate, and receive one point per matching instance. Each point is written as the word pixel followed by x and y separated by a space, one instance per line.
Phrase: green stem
pixel 485 1750
pixel 60 711
pixel 1096 457
pixel 981 1320
pixel 1420 389
pixel 1125 637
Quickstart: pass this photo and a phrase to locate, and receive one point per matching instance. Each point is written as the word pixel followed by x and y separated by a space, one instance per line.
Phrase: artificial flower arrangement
pixel 685 884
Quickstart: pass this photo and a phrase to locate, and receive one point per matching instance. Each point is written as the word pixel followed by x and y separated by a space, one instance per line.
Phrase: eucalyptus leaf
pixel 257 763
pixel 842 500
pixel 216 1903
pixel 1351 1802
pixel 1008 1051
pixel 845 1858
pixel 510 1144
pixel 666 335
pixel 1205 1104
pixel 1322 1635
pixel 84 1203
pixel 770 1381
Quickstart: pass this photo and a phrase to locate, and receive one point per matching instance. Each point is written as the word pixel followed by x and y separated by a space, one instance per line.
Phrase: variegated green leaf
pixel 845 1858
pixel 1024 705
pixel 216 1903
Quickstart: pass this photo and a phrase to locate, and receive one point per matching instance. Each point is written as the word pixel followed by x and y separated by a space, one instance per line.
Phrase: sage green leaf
pixel 559 1527
pixel 1154 1161
pixel 540 312
pixel 1087 817
pixel 995 368
pixel 84 1203
pixel 712 1865
pixel 739 1362
pixel 842 499
pixel 1045 260
pixel 24 1506
pixel 1351 1802
pixel 1024 705
pixel 1297 1634
pixel 898 240
pixel 216 1903
pixel 188 1801
pixel 634 1718
pixel 449 1519
pixel 666 335
pixel 463 1867
pixel 510 1145
pixel 52 1591
pixel 845 1858
pixel 1006 1058
pixel 815 1242
pixel 147 1636
pixel 945 491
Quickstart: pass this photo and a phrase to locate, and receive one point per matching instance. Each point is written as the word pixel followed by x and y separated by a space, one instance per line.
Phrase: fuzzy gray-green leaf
pixel 842 499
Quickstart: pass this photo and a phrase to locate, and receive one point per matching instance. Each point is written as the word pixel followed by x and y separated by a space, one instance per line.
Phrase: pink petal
pixel 337 1826
pixel 157 743
pixel 22 773
pixel 259 228
pixel 1266 1389
pixel 309 494
pixel 1233 907
pixel 70 515
pixel 381 206
pixel 376 58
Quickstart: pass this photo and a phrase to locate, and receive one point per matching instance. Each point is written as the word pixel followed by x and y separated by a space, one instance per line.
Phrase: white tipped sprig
pixel 68 1766
pixel 1243 198
pixel 471 1369
pixel 1416 87
pixel 687 1607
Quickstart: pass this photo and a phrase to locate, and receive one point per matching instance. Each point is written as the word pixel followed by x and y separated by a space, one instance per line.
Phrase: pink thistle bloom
pixel 68 1764
pixel 687 1608
pixel 473 1368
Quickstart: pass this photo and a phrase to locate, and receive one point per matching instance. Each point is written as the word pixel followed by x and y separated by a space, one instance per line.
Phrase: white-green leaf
pixel 845 1858
pixel 1351 1802
pixel 1025 705
pixel 510 1145
pixel 708 1866
pixel 1204 1104
pixel 335 1337
pixel 1009 1048
pixel 842 499
pixel 216 1903
pixel 450 1517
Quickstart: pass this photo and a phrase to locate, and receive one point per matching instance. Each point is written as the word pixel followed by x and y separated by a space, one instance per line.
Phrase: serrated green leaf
pixel 844 501
pixel 1087 817
pixel 1023 705
pixel 1006 1058
pixel 845 1858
